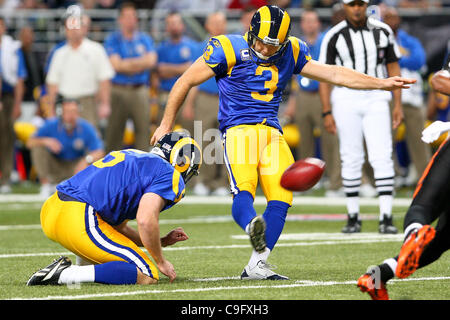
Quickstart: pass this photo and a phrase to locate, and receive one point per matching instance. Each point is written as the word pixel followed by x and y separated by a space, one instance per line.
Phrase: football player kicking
pixel 422 243
pixel 252 71
pixel 89 212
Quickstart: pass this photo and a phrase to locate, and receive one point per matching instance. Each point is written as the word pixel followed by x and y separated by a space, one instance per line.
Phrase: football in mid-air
pixel 303 174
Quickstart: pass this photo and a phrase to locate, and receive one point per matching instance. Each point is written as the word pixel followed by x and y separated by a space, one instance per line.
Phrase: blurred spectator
pixel 108 4
pixel 423 4
pixel 13 74
pixel 306 112
pixel 241 4
pixel 309 4
pixel 63 146
pixel 205 108
pixel 284 4
pixel 411 62
pixel 132 55
pixel 179 5
pixel 175 54
pixel 32 4
pixel 85 26
pixel 81 70
pixel 246 17
pixel 32 62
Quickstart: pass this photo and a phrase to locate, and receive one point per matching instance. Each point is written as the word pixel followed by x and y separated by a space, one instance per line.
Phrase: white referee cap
pixel 348 1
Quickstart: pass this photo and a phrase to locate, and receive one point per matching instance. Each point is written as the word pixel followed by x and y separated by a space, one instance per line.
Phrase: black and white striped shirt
pixel 367 49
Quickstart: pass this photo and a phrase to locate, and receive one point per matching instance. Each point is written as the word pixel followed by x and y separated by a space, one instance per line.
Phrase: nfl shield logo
pixel 245 54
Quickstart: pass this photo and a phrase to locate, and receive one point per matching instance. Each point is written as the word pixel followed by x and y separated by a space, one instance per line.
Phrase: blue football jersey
pixel 114 185
pixel 251 93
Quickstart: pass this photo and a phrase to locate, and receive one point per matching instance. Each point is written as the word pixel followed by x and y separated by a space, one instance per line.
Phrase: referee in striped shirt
pixel 368 46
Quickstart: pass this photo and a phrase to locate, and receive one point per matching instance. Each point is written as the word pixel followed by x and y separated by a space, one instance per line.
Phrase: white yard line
pixel 259 200
pixel 297 284
pixel 365 238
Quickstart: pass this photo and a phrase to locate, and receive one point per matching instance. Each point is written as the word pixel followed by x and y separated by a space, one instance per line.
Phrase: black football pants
pixel 431 201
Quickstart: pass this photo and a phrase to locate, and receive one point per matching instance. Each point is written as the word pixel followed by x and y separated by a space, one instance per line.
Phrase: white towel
pixel 9 59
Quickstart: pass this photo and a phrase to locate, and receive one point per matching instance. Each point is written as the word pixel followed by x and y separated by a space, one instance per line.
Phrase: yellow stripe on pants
pixel 65 222
pixel 258 153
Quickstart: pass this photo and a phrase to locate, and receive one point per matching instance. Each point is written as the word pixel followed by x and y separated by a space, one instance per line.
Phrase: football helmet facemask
pixel 270 25
pixel 181 151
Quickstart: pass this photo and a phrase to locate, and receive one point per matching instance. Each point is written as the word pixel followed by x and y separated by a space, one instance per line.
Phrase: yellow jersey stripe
pixel 230 56
pixel 175 182
pixel 295 48
pixel 284 27
pixel 266 22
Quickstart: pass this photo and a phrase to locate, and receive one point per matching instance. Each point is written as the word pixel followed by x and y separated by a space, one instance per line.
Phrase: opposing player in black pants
pixel 423 244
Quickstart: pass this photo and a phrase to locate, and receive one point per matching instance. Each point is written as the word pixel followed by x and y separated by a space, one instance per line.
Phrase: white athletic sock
pixel 77 274
pixel 385 202
pixel 256 257
pixel 411 227
pixel 352 206
pixel 392 263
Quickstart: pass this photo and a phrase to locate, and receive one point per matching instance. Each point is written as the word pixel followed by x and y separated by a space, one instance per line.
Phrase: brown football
pixel 303 174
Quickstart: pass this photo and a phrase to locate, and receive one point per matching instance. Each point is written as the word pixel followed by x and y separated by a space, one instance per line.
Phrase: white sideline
pixel 299 283
pixel 259 200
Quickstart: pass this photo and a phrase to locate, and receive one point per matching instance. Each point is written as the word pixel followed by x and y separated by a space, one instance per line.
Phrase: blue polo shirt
pixel 307 84
pixel 139 45
pixel 83 139
pixel 177 53
pixel 210 85
pixel 21 73
pixel 413 53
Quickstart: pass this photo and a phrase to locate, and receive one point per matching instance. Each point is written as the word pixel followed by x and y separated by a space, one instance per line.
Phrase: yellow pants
pixel 257 153
pixel 78 228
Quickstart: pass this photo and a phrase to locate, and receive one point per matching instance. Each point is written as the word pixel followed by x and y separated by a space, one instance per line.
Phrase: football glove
pixel 434 131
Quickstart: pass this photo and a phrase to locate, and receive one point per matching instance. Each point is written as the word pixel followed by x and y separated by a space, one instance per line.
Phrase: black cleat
pixel 386 226
pixel 257 232
pixel 51 273
pixel 353 225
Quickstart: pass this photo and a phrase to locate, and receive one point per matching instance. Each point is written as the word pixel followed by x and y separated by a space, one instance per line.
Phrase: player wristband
pixel 324 114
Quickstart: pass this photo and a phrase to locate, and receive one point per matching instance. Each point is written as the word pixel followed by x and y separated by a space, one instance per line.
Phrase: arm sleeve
pixel 392 51
pixel 219 55
pixel 168 184
pixel 110 45
pixel 301 53
pixel 416 58
pixel 93 141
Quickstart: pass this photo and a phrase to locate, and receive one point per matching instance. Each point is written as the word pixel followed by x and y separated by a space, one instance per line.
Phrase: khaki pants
pixel 179 120
pixel 7 138
pixel 213 171
pixel 50 167
pixel 419 151
pixel 88 110
pixel 128 102
pixel 308 117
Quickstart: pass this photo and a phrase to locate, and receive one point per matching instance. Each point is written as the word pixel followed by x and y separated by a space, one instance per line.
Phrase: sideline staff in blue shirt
pixel 64 145
pixel 132 56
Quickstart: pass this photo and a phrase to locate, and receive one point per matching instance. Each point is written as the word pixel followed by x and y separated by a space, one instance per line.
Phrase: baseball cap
pixel 348 1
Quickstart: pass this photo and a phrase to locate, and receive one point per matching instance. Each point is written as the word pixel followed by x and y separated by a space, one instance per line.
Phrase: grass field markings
pixel 259 200
pixel 215 247
pixel 217 219
pixel 330 236
pixel 297 284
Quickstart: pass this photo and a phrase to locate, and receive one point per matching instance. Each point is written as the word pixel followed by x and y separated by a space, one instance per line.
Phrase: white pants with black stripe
pixel 364 116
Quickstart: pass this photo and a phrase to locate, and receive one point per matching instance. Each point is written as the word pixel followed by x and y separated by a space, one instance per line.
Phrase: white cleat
pixel 262 271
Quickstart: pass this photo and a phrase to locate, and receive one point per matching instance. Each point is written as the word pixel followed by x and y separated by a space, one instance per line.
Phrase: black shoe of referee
pixel 353 225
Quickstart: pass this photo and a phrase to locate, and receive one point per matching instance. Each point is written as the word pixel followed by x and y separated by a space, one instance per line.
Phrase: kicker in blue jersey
pixel 114 185
pixel 248 92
